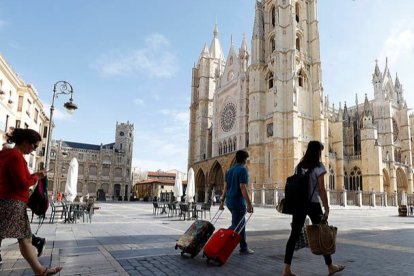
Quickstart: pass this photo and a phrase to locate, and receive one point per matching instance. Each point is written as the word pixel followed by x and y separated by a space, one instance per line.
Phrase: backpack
pixel 39 200
pixel 297 192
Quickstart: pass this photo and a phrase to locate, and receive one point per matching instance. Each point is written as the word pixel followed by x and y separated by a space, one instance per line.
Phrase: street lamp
pixel 59 88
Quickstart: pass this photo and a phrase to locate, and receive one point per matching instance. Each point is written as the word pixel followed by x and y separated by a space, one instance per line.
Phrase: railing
pixel 352 198
pixel 336 198
pixel 366 199
pixel 272 196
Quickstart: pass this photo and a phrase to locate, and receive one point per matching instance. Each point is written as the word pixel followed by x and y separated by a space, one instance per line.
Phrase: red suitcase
pixel 222 243
pixel 196 236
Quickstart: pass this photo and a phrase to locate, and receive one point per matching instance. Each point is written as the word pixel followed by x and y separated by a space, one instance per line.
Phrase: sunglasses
pixel 35 146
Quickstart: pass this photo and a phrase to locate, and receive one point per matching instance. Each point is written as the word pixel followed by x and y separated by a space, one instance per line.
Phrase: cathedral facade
pixel 271 103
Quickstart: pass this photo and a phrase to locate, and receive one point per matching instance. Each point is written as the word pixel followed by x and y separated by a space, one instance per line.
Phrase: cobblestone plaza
pixel 128 239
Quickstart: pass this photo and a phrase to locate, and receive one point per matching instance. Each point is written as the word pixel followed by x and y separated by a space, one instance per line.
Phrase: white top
pixel 313 181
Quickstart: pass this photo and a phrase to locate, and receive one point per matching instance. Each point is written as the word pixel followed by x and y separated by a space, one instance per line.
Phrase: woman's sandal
pixel 338 269
pixel 50 271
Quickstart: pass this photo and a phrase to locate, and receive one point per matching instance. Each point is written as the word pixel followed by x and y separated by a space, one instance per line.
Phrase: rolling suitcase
pixel 196 236
pixel 222 243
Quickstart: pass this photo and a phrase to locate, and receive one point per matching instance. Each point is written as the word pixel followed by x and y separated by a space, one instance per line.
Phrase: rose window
pixel 228 117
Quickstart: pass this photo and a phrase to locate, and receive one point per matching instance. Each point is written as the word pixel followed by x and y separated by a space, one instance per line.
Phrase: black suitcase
pixel 196 236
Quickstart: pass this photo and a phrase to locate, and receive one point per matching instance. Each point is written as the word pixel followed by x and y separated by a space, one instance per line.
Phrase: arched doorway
pixel 386 181
pixel 216 179
pixel 401 184
pixel 200 182
pixel 117 191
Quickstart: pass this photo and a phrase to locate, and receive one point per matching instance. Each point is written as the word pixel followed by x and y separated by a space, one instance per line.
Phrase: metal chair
pixel 58 209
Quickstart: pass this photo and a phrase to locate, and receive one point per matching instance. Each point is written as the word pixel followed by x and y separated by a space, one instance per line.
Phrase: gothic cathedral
pixel 271 103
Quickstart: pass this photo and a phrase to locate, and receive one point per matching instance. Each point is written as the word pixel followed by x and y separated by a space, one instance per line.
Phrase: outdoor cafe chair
pixel 170 209
pixel 156 207
pixel 88 211
pixel 184 210
pixel 205 207
pixel 58 209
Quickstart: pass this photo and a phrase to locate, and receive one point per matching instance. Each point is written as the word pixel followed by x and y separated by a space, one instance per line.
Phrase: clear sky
pixel 131 60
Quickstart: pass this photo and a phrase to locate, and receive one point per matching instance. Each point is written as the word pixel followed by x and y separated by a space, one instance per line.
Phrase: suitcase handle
pixel 244 224
pixel 216 216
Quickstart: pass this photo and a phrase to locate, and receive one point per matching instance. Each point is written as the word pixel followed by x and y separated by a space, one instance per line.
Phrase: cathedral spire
pixel 205 53
pixel 367 109
pixel 258 37
pixel 216 51
pixel 244 54
pixel 340 113
pixel 377 72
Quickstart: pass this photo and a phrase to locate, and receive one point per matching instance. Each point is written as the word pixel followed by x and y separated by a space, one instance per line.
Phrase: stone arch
pixel 93 170
pixel 200 182
pixel 79 187
pixel 91 187
pixel 117 191
pixel 216 178
pixel 355 179
pixel 386 181
pixel 401 183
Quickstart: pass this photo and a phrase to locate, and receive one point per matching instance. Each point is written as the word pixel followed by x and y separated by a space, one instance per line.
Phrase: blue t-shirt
pixel 234 197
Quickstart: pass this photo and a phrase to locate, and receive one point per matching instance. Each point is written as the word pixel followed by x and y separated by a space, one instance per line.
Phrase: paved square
pixel 127 239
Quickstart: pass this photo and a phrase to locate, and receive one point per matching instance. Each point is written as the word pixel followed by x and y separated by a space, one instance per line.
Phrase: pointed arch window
pixel 355 179
pixel 220 148
pixel 331 179
pixel 301 78
pixel 272 44
pixel 234 143
pixel 297 12
pixel 346 180
pixel 273 14
pixel 225 147
pixel 297 42
pixel 270 80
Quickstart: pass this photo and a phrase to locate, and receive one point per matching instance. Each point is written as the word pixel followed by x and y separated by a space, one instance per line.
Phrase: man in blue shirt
pixel 237 198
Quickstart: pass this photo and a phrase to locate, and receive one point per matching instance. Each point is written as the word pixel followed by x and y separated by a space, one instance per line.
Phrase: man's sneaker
pixel 246 252
pixel 40 246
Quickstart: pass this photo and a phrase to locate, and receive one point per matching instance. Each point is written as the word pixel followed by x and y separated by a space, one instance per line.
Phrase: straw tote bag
pixel 322 238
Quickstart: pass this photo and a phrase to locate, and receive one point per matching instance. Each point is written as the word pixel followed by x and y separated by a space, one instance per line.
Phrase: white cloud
pixel 154 165
pixel 58 114
pixel 400 43
pixel 162 150
pixel 155 59
pixel 139 102
pixel 181 117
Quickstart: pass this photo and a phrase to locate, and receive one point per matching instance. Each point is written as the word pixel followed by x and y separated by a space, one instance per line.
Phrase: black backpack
pixel 297 192
pixel 39 200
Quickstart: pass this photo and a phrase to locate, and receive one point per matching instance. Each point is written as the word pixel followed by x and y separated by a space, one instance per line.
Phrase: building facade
pixel 271 103
pixel 157 185
pixel 104 170
pixel 20 107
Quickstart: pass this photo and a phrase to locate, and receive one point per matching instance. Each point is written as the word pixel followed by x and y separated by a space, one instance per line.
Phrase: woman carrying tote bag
pixel 310 161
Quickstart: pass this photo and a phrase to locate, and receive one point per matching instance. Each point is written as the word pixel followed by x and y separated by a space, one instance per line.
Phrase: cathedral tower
pixel 285 90
pixel 204 76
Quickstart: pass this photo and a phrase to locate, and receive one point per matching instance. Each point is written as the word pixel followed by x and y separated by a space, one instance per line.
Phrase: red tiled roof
pixel 160 181
pixel 160 174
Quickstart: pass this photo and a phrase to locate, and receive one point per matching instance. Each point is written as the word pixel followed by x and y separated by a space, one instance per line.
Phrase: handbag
pixel 322 238
pixel 303 241
pixel 39 200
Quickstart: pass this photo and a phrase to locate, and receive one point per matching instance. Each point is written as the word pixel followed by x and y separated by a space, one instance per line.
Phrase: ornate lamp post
pixel 59 88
